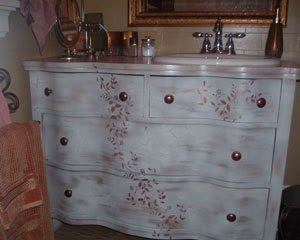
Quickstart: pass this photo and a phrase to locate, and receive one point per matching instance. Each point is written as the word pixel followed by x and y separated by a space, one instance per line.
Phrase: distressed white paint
pixel 157 170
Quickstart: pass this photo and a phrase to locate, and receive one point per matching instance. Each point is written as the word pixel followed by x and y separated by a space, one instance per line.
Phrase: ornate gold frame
pixel 138 18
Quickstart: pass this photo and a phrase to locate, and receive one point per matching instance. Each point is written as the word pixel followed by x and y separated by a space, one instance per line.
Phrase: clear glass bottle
pixel 148 47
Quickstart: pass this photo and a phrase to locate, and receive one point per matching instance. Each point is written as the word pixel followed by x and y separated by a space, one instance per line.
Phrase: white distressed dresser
pixel 164 151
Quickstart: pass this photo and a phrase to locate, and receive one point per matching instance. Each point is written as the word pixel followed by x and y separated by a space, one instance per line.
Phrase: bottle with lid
pixel 274 44
pixel 133 47
pixel 148 47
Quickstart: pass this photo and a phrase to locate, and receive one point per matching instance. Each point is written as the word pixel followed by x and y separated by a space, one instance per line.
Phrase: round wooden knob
pixel 261 102
pixel 123 96
pixel 169 99
pixel 64 141
pixel 48 91
pixel 68 193
pixel 231 217
pixel 236 156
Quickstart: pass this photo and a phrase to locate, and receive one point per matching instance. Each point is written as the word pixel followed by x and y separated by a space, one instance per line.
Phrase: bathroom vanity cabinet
pixel 164 151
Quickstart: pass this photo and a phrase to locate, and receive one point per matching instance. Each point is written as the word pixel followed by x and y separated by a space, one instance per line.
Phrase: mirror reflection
pixel 206 5
pixel 205 12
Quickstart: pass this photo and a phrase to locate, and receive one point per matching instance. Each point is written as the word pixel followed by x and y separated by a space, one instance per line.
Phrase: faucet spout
pixel 218 26
pixel 218 44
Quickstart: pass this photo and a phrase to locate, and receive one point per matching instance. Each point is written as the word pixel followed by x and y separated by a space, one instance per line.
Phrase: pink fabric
pixel 40 15
pixel 4 112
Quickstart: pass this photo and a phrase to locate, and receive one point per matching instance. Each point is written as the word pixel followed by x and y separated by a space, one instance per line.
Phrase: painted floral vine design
pixel 223 103
pixel 145 190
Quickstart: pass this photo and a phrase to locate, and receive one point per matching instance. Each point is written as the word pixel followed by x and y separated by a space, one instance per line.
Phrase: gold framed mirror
pixel 204 12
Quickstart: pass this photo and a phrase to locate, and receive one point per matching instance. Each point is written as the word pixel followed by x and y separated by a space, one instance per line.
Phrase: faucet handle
pixel 200 35
pixel 235 35
pixel 229 47
pixel 206 46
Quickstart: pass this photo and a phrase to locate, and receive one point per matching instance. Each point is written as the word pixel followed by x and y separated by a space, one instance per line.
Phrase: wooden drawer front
pixel 184 210
pixel 229 154
pixel 233 100
pixel 77 141
pixel 90 93
pixel 226 154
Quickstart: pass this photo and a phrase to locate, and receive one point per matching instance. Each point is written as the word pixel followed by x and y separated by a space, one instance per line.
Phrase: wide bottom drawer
pixel 155 207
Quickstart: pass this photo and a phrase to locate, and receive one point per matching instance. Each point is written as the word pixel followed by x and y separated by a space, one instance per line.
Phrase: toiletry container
pixel 148 47
pixel 130 43
pixel 133 47
pixel 115 43
pixel 274 44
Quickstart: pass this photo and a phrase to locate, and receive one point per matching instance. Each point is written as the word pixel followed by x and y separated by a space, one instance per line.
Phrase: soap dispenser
pixel 274 44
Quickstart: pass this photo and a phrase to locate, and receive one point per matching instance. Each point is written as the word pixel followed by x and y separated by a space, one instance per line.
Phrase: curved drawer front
pixel 229 154
pixel 226 99
pixel 90 93
pixel 121 203
pixel 77 141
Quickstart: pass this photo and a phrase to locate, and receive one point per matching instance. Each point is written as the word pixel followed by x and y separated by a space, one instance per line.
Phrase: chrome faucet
pixel 229 48
pixel 218 44
pixel 206 46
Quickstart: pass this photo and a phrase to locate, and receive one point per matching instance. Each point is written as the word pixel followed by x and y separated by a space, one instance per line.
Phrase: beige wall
pixel 19 44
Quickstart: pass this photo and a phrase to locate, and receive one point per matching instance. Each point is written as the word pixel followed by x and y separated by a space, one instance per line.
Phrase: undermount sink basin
pixel 218 59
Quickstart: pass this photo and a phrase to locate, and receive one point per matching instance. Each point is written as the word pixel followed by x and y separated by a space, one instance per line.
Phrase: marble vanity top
pixel 144 65
pixel 219 60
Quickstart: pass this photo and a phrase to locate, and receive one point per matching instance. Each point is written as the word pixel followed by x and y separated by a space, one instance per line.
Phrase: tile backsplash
pixel 180 40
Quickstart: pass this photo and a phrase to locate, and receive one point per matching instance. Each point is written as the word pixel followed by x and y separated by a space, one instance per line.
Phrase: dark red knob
pixel 68 193
pixel 48 91
pixel 64 141
pixel 236 156
pixel 261 102
pixel 123 96
pixel 231 217
pixel 169 99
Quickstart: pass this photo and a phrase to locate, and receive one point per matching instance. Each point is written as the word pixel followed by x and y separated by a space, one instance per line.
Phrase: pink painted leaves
pixel 225 103
pixel 144 190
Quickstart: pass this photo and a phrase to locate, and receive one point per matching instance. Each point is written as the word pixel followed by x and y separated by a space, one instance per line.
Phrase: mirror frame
pixel 62 39
pixel 138 18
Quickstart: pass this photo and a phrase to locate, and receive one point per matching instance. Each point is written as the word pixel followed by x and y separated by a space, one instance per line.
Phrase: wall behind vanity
pixel 18 45
pixel 180 40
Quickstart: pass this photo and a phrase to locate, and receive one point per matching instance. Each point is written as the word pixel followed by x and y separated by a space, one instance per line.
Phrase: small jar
pixel 133 47
pixel 148 47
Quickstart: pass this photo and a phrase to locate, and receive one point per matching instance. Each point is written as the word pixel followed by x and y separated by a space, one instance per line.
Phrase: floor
pixel 70 232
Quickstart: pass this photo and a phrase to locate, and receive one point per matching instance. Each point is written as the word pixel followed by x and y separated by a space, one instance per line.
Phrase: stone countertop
pixel 140 65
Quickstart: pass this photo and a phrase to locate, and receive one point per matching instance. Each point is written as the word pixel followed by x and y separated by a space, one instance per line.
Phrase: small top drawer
pixel 89 92
pixel 226 99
